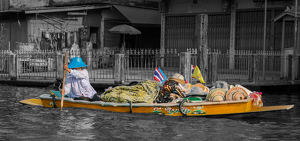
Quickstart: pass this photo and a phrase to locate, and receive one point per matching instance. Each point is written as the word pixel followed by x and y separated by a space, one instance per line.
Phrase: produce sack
pixel 143 92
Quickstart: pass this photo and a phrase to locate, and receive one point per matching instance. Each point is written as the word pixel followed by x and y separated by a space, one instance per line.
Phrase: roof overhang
pixel 139 15
pixel 287 15
pixel 65 9
pixel 155 0
pixel 10 11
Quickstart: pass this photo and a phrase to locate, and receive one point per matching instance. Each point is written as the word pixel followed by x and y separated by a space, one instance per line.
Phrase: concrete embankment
pixel 46 83
pixel 105 84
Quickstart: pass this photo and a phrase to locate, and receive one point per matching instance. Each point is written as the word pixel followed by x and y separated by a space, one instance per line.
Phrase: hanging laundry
pixel 45 43
pixel 59 41
pixel 84 33
pixel 70 39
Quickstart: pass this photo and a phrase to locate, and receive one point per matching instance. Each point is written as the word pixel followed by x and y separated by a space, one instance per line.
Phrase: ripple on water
pixel 25 122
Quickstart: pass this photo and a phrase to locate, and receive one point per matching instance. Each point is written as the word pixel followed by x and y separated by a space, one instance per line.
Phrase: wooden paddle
pixel 64 81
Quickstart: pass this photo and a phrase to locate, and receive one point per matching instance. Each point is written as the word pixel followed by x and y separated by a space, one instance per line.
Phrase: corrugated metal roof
pixel 139 15
pixel 284 14
pixel 65 9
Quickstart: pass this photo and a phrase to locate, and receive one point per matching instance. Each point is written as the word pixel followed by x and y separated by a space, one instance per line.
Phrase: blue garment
pixel 78 84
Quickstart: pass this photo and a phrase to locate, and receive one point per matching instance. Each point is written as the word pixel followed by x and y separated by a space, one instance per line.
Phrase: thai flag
pixel 159 75
pixel 193 69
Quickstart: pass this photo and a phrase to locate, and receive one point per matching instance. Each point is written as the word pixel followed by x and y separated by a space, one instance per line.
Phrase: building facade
pixel 232 24
pixel 59 24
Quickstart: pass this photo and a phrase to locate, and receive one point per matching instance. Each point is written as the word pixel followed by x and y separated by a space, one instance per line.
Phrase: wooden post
pixel 12 66
pixel 157 60
pixel 265 36
pixel 290 67
pixel 59 66
pixel 232 37
pixel 89 58
pixel 251 68
pixel 89 49
pixel 272 39
pixel 162 39
pixel 283 56
pixel 295 53
pixel 214 68
pixel 119 68
pixel 254 71
pixel 102 33
pixel 201 42
pixel 185 66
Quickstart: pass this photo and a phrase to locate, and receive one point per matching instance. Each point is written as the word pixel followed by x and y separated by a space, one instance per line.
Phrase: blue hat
pixel 76 62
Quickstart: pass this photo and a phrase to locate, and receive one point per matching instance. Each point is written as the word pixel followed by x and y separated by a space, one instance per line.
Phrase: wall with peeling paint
pixel 23 4
pixel 4 5
pixel 28 3
pixel 136 3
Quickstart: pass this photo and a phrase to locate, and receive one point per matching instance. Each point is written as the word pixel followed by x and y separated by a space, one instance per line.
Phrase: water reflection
pixel 77 125
pixel 25 122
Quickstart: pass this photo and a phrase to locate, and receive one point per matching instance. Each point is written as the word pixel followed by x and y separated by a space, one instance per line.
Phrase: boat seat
pixel 56 93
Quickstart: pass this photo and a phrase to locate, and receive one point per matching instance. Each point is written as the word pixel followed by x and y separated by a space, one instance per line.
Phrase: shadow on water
pixel 26 122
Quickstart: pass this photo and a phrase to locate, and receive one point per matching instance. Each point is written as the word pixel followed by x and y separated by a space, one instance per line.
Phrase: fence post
pixel 119 68
pixel 254 69
pixel 162 39
pixel 59 66
pixel 282 66
pixel 201 43
pixel 157 60
pixel 162 58
pixel 185 65
pixel 214 68
pixel 12 66
pixel 89 57
pixel 290 67
pixel 250 70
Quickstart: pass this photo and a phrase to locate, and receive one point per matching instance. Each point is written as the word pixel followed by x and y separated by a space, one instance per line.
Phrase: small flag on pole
pixel 197 75
pixel 159 75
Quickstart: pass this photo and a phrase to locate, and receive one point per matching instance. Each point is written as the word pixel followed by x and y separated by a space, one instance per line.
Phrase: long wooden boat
pixel 198 108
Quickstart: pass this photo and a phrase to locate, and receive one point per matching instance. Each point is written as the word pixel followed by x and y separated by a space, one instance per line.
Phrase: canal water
pixel 27 123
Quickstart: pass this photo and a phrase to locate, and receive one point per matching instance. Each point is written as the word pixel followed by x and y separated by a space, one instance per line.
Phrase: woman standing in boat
pixel 77 83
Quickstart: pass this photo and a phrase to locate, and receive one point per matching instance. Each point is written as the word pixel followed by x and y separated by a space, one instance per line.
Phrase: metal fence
pixel 247 66
pixel 140 64
pixel 4 64
pixel 100 63
pixel 39 64
pixel 42 64
pixel 242 66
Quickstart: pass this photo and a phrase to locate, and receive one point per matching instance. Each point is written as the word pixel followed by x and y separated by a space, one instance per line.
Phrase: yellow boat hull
pixel 169 109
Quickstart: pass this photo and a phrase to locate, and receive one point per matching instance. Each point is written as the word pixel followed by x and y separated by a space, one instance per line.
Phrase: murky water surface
pixel 27 123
